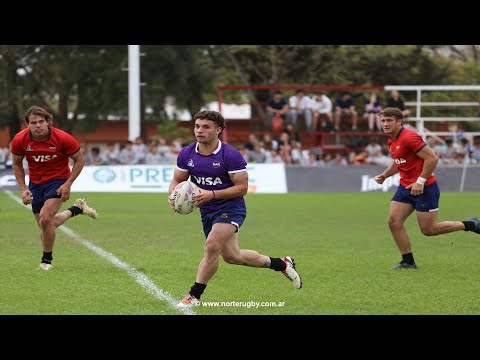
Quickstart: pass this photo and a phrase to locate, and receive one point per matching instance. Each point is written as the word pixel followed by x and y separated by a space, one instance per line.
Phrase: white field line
pixel 139 277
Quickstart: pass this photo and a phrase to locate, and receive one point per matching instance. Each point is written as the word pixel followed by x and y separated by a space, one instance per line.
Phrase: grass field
pixel 138 258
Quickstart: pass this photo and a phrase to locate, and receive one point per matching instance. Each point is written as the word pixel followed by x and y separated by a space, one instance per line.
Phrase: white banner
pixel 263 178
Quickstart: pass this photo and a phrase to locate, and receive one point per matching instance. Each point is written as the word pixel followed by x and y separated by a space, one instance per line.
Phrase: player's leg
pixel 80 207
pixel 217 238
pixel 46 221
pixel 427 205
pixel 232 254
pixel 399 212
pixel 429 225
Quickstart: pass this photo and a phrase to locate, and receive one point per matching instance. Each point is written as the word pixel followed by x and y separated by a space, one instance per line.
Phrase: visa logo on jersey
pixel 44 158
pixel 208 180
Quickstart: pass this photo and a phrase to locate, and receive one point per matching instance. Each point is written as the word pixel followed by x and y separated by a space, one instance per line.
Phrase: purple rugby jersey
pixel 212 172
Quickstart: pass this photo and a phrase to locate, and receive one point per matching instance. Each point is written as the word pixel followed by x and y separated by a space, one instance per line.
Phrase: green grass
pixel 340 241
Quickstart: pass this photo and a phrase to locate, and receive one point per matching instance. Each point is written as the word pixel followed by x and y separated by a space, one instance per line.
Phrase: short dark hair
pixel 214 116
pixel 392 112
pixel 37 110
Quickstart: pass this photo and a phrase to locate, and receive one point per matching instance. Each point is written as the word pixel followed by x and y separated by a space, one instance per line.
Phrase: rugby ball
pixel 183 197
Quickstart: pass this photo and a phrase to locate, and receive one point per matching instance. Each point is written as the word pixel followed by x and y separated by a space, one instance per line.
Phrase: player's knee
pixel 394 224
pixel 45 221
pixel 230 259
pixel 428 231
pixel 212 249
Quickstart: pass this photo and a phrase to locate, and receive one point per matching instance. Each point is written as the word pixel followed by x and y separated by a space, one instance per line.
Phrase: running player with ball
pixel 220 172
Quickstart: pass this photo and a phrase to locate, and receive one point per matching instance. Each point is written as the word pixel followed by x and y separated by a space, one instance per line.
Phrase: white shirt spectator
pixel 303 104
pixel 322 106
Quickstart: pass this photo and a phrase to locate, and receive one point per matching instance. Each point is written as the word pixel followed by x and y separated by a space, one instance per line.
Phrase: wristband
pixel 421 180
pixel 213 191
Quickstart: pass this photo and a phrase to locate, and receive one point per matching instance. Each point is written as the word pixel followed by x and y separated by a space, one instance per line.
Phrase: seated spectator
pixel 339 160
pixel 257 155
pixel 372 108
pixel 374 154
pixel 273 156
pixel 299 104
pixel 110 155
pixel 127 155
pixel 276 106
pixel 475 156
pixel 252 141
pixel 268 143
pixel 95 157
pixel 140 149
pixel 321 106
pixel 464 151
pixel 292 133
pixel 449 154
pixel 396 101
pixel 345 107
pixel 86 154
pixel 4 152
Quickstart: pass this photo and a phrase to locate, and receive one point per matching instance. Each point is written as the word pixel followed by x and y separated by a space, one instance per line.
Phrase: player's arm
pixel 429 164
pixel 78 164
pixel 391 170
pixel 239 188
pixel 430 161
pixel 178 177
pixel 19 172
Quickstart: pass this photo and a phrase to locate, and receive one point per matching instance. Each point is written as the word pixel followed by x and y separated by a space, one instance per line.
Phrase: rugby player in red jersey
pixel 47 151
pixel 418 189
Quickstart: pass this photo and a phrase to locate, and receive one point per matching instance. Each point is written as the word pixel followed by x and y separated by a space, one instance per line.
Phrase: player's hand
pixel 64 192
pixel 379 179
pixel 416 188
pixel 26 197
pixel 203 197
pixel 170 201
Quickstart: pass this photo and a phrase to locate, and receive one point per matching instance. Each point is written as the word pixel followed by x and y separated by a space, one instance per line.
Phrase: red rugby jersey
pixel 404 149
pixel 47 159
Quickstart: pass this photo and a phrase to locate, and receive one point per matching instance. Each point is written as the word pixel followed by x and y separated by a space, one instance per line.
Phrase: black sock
pixel 408 258
pixel 469 225
pixel 75 210
pixel 197 290
pixel 47 257
pixel 277 264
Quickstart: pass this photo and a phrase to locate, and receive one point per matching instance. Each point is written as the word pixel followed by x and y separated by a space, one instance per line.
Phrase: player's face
pixel 391 126
pixel 38 127
pixel 206 131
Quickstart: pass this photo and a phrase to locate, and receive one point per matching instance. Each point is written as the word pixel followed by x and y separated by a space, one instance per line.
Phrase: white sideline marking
pixel 139 277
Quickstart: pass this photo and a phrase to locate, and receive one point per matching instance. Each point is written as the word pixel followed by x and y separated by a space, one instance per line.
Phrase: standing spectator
pixel 299 104
pixel 276 106
pixel 321 106
pixel 345 107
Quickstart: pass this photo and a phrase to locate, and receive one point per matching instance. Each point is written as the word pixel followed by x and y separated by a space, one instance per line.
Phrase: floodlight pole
pixel 133 91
